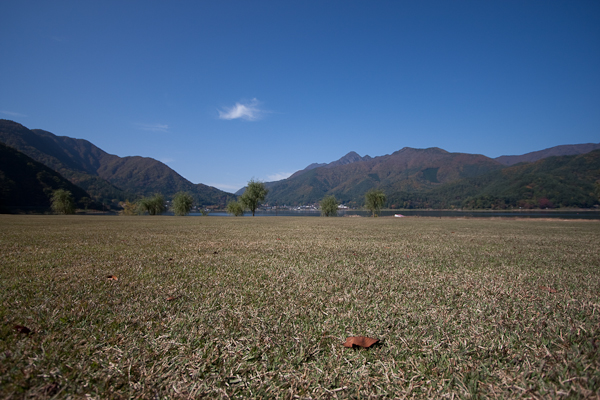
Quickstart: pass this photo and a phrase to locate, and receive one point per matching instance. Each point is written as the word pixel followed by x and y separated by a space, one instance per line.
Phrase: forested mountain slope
pixel 407 169
pixel 27 185
pixel 104 176
pixel 561 181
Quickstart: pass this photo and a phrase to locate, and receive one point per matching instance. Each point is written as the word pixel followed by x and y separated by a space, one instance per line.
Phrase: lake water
pixel 431 213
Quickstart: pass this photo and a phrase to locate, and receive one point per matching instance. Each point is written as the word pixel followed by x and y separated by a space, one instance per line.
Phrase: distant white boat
pixel 399 215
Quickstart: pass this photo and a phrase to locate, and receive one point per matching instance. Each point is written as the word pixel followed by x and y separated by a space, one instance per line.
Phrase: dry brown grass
pixel 260 307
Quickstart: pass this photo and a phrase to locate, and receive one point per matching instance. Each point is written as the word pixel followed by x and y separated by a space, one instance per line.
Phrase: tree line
pixel 63 203
pixel 256 192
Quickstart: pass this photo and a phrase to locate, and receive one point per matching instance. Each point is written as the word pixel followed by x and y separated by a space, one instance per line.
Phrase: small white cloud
pixel 279 176
pixel 248 111
pixel 166 160
pixel 13 114
pixel 153 127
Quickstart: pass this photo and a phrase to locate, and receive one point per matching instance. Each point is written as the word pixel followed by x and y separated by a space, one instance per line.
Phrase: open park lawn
pixel 225 307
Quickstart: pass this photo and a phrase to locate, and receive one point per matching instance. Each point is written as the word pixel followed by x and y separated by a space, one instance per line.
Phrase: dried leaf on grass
pixel 549 289
pixel 360 341
pixel 171 298
pixel 22 329
pixel 112 278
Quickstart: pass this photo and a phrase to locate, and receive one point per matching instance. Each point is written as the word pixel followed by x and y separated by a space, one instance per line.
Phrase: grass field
pixel 259 307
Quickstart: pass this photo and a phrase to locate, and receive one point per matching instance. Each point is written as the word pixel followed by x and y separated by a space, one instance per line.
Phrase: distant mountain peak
pixel 426 150
pixel 349 158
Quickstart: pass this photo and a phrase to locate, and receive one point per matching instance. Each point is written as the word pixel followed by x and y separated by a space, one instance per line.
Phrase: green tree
pixel 144 205
pixel 256 192
pixel 235 208
pixel 154 205
pixel 182 203
pixel 374 200
pixel 329 206
pixel 129 208
pixel 62 202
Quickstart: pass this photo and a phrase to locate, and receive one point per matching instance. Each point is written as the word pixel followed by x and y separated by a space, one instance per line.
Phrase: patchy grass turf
pixel 259 307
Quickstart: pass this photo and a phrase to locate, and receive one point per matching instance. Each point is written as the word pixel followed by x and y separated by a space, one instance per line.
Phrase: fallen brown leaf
pixel 361 341
pixel 112 278
pixel 22 329
pixel 549 289
pixel 171 298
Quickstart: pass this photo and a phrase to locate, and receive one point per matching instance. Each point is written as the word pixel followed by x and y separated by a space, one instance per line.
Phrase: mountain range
pixel 106 177
pixel 435 178
pixel 562 176
pixel 555 181
pixel 406 169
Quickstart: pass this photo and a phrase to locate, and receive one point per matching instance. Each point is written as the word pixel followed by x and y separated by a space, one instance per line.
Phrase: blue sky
pixel 226 91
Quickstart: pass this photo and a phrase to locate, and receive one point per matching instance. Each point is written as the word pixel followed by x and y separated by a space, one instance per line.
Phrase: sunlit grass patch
pixel 260 307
